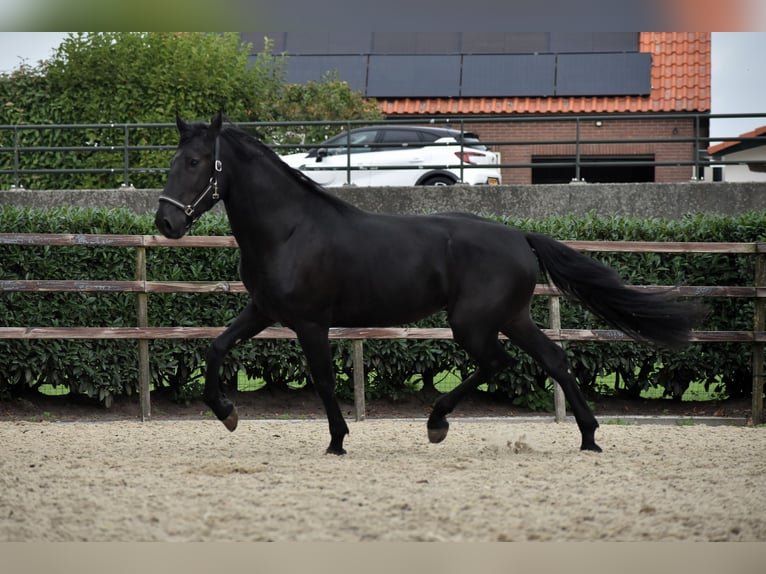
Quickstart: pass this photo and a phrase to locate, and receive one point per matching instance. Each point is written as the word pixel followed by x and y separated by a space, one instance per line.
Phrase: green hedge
pixel 106 369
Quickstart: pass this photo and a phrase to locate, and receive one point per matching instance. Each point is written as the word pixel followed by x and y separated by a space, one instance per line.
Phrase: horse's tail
pixel 643 315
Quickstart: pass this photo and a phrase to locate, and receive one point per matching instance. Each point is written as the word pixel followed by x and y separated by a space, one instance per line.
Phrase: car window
pixel 429 137
pixel 337 145
pixel 400 137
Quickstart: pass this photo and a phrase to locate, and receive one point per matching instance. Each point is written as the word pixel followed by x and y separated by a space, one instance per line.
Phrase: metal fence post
pixel 142 320
pixel 126 157
pixel 16 161
pixel 348 153
pixel 577 177
pixel 462 149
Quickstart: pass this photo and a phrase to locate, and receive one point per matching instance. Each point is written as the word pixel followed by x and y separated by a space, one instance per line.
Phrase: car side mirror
pixel 321 153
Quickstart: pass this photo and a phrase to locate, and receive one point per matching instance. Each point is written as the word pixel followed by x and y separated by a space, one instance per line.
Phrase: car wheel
pixel 439 180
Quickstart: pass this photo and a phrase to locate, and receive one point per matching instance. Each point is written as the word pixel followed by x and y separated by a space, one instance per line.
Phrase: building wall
pixel 743 172
pixel 610 129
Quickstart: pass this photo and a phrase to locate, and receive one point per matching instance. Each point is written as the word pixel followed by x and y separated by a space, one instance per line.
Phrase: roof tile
pixel 723 146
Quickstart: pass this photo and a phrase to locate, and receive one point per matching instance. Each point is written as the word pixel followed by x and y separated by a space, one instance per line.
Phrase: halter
pixel 191 208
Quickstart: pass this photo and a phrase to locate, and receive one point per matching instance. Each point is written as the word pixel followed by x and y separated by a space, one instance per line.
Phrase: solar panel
pixel 452 64
pixel 413 76
pixel 603 74
pixel 506 76
pixel 415 43
pixel 593 42
pixel 318 43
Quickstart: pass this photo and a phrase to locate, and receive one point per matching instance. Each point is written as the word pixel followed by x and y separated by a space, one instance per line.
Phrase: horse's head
pixel 192 185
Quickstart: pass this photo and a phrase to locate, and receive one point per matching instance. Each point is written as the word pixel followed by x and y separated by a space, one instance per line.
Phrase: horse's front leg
pixel 248 323
pixel 316 346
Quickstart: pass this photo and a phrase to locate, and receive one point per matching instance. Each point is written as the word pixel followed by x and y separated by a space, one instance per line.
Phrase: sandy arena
pixel 491 480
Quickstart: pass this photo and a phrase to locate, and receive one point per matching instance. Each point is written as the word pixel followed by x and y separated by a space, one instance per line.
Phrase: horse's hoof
pixel 437 435
pixel 593 447
pixel 335 451
pixel 231 421
pixel 438 431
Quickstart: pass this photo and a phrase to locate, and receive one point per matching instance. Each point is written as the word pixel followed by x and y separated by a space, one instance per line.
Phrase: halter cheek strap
pixel 191 209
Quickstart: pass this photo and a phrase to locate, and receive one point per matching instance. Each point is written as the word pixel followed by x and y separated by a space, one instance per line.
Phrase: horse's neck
pixel 263 211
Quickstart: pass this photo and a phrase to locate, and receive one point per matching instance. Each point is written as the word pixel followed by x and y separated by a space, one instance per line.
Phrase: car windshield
pixel 455 140
pixel 474 143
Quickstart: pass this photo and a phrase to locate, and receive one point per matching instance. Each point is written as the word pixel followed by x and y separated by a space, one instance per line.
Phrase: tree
pixel 146 77
pixel 329 99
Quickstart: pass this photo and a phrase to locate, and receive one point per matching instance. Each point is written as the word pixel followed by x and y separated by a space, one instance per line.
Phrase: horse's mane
pixel 249 147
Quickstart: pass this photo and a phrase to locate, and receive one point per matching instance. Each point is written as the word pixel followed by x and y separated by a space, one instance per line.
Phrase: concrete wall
pixel 645 200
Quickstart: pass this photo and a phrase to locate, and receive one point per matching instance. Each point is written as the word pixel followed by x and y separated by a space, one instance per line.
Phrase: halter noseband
pixel 191 208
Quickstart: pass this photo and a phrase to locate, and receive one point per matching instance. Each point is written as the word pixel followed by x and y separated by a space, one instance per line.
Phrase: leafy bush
pixel 105 369
pixel 146 78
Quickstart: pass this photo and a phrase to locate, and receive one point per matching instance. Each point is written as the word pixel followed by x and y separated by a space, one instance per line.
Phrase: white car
pixel 399 155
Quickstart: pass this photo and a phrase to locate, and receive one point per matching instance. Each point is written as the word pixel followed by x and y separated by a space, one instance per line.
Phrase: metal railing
pixel 123 150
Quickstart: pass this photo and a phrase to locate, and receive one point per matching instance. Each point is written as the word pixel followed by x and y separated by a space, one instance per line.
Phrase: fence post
pixel 759 324
pixel 358 360
pixel 142 320
pixel 16 160
pixel 577 177
pixel 125 157
pixel 559 401
pixel 349 151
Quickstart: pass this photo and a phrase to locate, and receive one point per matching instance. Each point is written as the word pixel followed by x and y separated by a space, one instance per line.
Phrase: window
pixel 400 136
pixel 363 138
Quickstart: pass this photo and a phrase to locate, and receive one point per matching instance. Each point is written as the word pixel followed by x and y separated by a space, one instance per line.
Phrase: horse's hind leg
pixel 490 358
pixel 247 324
pixel 527 336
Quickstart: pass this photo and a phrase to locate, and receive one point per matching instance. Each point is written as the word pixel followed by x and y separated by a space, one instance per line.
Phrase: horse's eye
pixel 193 162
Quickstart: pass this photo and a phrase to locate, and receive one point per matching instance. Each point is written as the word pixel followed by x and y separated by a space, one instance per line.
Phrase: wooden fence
pixel 142 333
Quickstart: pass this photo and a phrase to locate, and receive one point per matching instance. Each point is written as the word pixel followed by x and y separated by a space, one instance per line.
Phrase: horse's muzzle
pixel 169 228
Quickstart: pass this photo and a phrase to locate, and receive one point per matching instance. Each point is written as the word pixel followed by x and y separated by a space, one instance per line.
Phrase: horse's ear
pixel 215 124
pixel 180 124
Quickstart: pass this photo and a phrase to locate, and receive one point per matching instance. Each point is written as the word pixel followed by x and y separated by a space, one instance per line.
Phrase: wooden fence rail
pixel 142 333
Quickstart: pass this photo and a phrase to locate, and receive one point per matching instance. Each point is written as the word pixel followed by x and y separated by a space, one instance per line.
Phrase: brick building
pixel 635 92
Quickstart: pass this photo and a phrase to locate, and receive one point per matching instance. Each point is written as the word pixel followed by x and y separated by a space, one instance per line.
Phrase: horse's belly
pixel 385 319
pixel 396 308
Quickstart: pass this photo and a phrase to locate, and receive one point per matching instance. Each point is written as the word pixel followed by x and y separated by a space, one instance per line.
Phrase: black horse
pixel 311 261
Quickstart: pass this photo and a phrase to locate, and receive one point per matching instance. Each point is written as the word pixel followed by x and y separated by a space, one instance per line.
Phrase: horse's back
pixel 407 267
pixel 456 241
